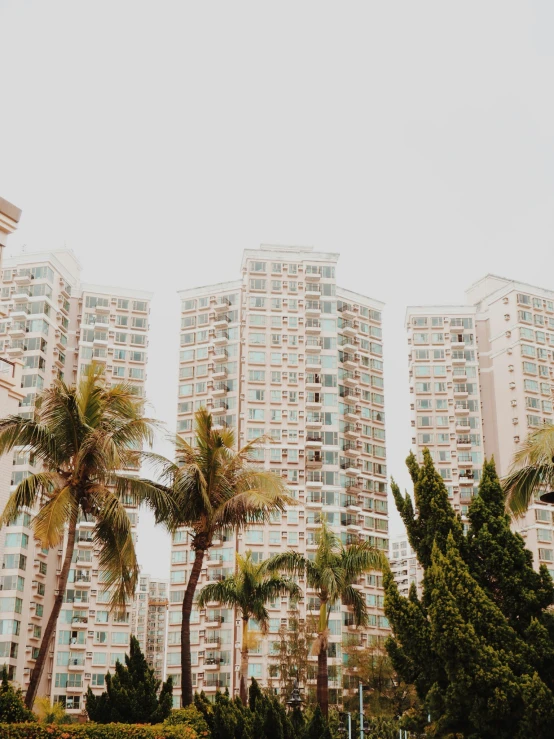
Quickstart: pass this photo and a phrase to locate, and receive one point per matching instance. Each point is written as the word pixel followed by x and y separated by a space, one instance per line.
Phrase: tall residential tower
pixel 284 353
pixel 57 327
pixel 481 379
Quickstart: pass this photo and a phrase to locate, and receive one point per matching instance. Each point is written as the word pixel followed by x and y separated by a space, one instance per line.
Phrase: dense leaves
pixel 132 693
pixel 478 644
pixel 12 708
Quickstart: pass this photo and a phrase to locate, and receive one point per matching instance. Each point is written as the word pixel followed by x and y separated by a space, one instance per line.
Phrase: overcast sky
pixel 160 139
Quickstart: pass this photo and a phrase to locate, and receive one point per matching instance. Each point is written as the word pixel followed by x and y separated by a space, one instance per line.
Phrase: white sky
pixel 159 139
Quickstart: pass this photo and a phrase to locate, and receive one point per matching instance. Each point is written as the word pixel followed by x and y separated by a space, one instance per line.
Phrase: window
pixel 256 414
pixel 256 357
pixel 254 536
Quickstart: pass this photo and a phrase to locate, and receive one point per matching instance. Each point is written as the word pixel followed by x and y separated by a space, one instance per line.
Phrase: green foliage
pixel 189 716
pixel 478 646
pixel 318 727
pixel 132 693
pixel 95 731
pixel 51 713
pixel 12 707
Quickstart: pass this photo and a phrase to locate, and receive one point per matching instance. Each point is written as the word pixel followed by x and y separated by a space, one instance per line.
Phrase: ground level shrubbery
pixel 96 731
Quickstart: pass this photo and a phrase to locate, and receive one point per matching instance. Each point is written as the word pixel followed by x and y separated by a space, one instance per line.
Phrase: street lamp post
pixel 348 728
pixel 363 725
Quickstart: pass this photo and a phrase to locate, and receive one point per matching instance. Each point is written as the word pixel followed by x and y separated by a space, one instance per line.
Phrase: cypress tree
pixel 12 707
pixel 478 645
pixel 131 695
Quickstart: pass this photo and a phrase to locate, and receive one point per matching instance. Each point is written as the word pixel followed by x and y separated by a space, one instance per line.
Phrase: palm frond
pixel 159 499
pixel 360 558
pixel 50 521
pixel 31 435
pixel 117 560
pixel 355 599
pixel 224 592
pixel 27 493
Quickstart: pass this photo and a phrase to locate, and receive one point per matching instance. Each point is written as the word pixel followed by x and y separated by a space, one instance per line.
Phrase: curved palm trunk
pixel 186 671
pixel 53 618
pixel 244 662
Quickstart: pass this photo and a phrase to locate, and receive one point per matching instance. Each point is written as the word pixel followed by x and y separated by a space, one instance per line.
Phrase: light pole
pixel 342 728
pixel 295 700
pixel 363 725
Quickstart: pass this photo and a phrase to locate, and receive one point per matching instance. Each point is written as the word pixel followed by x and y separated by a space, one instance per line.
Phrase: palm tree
pixel 82 436
pixel 333 573
pixel 214 488
pixel 532 470
pixel 248 590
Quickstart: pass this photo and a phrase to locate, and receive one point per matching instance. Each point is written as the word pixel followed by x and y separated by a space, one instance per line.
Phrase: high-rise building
pixel 482 378
pixel 286 354
pixel 149 621
pixel 57 327
pixel 405 568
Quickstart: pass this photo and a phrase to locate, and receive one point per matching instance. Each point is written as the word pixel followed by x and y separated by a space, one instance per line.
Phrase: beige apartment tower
pixel 149 621
pixel 481 377
pixel 284 353
pixel 56 327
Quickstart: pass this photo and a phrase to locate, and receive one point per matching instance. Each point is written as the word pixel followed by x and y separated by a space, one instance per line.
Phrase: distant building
pixel 405 568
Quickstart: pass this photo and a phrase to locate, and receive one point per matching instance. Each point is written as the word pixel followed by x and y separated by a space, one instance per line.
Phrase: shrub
pixel 189 716
pixel 95 731
pixel 12 708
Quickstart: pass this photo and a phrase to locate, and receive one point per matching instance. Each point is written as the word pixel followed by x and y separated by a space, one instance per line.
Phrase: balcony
pixel 220 355
pixel 351 430
pixel 463 442
pixel 458 357
pixel 220 321
pixel 462 426
pixel 314 421
pixel 350 380
pixel 352 503
pixel 460 391
pixel 314 481
pixel 219 389
pixel 313 345
pixel 461 409
pixel 214 559
pixel 347 311
pixel 213 662
pixel 314 401
pixel 219 407
pixel 219 372
pixel 313 381
pixel 351 449
pixel 313 326
pixel 79 622
pixel 465 461
pixel 313 522
pixel 314 460
pixel 213 639
pixel 349 360
pixel 76 664
pixel 314 441
pixel 312 290
pixel 458 376
pixel 313 501
pixel 22 279
pixel 351 413
pixel 312 276
pixel 349 468
pixel 349 328
pixel 221 338
pixel 312 308
pixel 222 306
pixel 213 622
pixel 17 331
pixel 347 344
pixel 457 341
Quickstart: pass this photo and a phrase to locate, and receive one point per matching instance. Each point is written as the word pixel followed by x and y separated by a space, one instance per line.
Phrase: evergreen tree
pixel 12 707
pixel 131 695
pixel 317 728
pixel 478 645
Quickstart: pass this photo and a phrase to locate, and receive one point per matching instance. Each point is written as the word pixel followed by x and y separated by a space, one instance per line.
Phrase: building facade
pixel 286 354
pixel 405 568
pixel 57 326
pixel 149 621
pixel 503 340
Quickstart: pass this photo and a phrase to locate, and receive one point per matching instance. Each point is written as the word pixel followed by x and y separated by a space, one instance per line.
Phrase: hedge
pixel 95 731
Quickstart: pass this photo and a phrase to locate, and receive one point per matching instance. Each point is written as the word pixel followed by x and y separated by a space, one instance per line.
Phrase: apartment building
pixel 10 391
pixel 56 326
pixel 284 353
pixel 149 621
pixel 498 370
pixel 405 568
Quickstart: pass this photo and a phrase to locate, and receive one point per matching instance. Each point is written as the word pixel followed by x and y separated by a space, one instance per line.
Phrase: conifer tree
pixel 131 695
pixel 478 645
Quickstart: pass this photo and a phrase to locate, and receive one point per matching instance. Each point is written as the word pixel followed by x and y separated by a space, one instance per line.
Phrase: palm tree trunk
pixel 244 662
pixel 322 693
pixel 186 669
pixel 323 679
pixel 38 669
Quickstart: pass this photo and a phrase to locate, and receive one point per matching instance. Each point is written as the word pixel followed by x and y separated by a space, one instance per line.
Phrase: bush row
pixel 95 731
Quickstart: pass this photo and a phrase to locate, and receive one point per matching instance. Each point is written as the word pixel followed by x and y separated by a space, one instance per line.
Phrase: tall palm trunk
pixel 53 618
pixel 323 678
pixel 244 662
pixel 188 600
pixel 322 692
